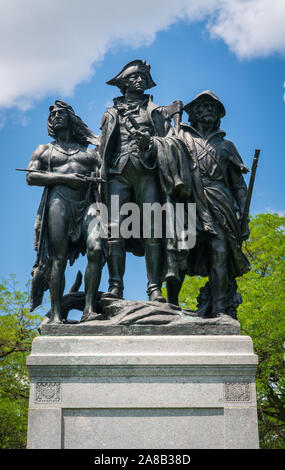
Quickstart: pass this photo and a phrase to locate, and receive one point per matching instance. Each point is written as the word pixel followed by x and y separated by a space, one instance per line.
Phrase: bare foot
pixel 88 315
pixel 55 318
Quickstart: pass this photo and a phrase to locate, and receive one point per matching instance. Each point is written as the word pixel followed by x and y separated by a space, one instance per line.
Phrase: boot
pixel 218 280
pixel 154 267
pixel 173 288
pixel 116 265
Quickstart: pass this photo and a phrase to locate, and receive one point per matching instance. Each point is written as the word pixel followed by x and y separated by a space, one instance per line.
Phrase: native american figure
pixel 67 169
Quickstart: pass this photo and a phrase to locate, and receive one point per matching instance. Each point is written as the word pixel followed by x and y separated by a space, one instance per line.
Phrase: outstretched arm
pixel 43 177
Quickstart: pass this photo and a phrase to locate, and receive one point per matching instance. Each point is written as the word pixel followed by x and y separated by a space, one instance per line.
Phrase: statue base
pixel 133 317
pixel 142 392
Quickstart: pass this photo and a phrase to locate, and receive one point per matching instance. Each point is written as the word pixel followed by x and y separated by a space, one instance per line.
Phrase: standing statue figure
pixel 129 166
pixel 67 169
pixel 220 192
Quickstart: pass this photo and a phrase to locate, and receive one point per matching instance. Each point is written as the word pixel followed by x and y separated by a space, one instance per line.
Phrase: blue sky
pixel 186 57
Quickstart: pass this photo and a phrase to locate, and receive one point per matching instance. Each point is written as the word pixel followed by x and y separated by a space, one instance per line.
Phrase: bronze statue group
pixel 144 154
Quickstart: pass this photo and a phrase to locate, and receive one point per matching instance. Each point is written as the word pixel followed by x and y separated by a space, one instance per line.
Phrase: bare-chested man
pixel 63 221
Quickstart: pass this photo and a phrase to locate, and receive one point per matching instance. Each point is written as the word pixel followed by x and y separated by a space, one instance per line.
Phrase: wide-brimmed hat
pixel 206 94
pixel 133 67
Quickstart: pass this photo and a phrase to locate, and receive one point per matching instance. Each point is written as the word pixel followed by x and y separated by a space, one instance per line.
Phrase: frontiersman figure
pixel 220 192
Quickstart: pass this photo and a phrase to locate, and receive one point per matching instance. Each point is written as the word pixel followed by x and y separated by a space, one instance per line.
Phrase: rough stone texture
pixel 129 317
pixel 142 392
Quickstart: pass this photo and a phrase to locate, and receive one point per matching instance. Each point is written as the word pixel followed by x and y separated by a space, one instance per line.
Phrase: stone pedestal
pixel 142 392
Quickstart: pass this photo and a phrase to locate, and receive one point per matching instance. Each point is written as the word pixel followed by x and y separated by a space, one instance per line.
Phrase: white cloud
pixel 251 28
pixel 272 211
pixel 51 46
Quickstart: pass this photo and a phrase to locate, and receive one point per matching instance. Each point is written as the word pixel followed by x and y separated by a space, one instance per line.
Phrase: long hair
pixel 80 131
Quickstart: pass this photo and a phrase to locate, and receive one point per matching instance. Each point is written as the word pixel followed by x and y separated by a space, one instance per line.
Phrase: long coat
pixel 165 143
pixel 219 191
pixel 159 120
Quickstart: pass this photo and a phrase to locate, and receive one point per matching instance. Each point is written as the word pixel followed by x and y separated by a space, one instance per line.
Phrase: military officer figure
pixel 129 166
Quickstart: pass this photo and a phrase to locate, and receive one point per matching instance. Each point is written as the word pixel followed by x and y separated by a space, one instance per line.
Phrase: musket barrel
pixel 29 171
pixel 250 189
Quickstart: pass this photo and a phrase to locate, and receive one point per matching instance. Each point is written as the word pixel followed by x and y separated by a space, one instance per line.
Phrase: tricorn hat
pixel 206 94
pixel 133 67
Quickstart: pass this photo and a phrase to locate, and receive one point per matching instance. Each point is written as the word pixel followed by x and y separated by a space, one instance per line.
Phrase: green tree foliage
pixel 262 317
pixel 17 330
